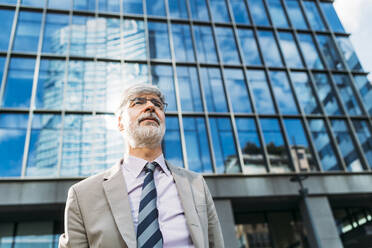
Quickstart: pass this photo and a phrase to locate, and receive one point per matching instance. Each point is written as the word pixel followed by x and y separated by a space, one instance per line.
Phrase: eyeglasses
pixel 141 101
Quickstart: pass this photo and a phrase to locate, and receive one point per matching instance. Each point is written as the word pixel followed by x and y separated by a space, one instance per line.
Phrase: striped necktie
pixel 148 231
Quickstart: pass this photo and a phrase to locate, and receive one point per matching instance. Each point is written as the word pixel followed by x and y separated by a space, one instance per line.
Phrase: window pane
pixel 261 93
pixel 300 150
pixel 34 234
pixel 365 90
pixel 250 145
pixel 110 5
pixel 331 55
pixel 227 46
pixel 270 49
pixel 6 19
pixel 134 46
pixel 365 139
pixel 305 95
pixel 258 12
pixel 323 145
pixel 189 86
pixel 295 14
pixel 290 50
pixel 12 139
pixel 162 76
pixel 14 2
pixel 249 47
pixel 58 4
pixel 132 7
pixel 238 92
pixel 83 36
pixel 349 54
pixel 6 234
pixel 27 32
pixel 2 63
pixel 219 11
pixel 224 146
pixel 172 142
pixel 326 94
pixel 44 146
pixel 206 50
pixel 197 145
pixel 313 16
pixel 283 93
pixel 346 145
pixel 20 76
pixel 332 17
pixel 277 14
pixel 158 39
pixel 56 34
pixel 310 52
pixel 278 154
pixel 178 9
pixel 199 10
pixel 107 39
pixel 183 48
pixel 155 7
pixel 239 9
pixel 213 90
pixel 347 96
pixel 84 5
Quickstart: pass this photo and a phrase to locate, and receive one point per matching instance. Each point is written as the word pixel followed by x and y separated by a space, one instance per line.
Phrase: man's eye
pixel 139 101
pixel 156 103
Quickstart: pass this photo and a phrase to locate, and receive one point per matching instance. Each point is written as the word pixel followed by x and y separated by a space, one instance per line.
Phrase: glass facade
pixel 253 86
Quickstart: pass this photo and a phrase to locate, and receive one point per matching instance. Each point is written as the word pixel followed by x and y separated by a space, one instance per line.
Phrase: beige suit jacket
pixel 98 213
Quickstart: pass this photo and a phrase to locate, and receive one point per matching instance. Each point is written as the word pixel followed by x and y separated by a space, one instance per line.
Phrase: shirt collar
pixel 135 165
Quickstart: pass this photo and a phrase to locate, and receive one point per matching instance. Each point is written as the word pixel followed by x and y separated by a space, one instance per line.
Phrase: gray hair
pixel 136 89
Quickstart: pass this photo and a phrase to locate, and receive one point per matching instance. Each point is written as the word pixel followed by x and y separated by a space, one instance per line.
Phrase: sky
pixel 355 15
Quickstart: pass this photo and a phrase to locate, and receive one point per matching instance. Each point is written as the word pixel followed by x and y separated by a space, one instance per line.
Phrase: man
pixel 143 201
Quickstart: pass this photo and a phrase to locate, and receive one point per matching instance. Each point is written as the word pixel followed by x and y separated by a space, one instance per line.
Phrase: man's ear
pixel 120 124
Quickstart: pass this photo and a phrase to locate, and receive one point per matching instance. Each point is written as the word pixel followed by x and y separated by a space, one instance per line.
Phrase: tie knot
pixel 150 166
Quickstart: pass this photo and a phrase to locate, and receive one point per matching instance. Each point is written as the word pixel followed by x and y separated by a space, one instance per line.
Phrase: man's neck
pixel 148 154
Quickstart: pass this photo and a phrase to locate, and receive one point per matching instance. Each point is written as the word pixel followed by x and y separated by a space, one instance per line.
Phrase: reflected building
pixel 259 92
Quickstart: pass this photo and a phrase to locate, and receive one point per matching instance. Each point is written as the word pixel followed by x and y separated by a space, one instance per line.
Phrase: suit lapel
pixel 117 194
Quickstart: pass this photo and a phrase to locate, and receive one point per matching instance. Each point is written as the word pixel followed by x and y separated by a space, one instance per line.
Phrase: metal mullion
pixel 285 9
pixel 232 118
pixel 147 41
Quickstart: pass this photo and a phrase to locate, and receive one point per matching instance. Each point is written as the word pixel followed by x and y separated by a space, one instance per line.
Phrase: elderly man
pixel 143 201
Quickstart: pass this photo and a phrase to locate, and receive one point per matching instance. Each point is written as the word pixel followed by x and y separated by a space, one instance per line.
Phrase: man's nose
pixel 149 106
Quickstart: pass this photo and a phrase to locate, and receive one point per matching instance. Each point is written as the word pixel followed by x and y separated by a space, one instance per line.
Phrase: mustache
pixel 149 116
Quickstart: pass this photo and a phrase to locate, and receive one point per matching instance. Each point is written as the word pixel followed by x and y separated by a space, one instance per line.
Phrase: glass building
pixel 260 93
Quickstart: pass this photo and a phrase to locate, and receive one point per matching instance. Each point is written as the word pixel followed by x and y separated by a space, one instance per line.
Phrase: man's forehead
pixel 146 95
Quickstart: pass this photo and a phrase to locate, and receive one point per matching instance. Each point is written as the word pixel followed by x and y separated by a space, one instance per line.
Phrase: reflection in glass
pixel 365 138
pixel 2 63
pixel 6 234
pixel 226 156
pixel 343 84
pixel 270 49
pixel 282 92
pixel 365 90
pixel 219 11
pixel 56 34
pixel 299 146
pixel 182 43
pixel 110 5
pixel 6 19
pixel 313 16
pixel 27 32
pixel 310 52
pixel 295 14
pixel 249 47
pixel 12 140
pixel 134 43
pixel 237 89
pixel 162 76
pixel 213 89
pixel 197 146
pixel 178 9
pixel 250 145
pixel 329 50
pixel 9 1
pixel 158 40
pixel 346 145
pixel 326 94
pixel 258 12
pixel 278 154
pixel 323 145
pixel 20 76
pixel 84 5
pixel 83 35
pixel 155 7
pixel 332 17
pixel 34 234
pixel 206 50
pixel 277 13
pixel 58 4
pixel 199 10
pixel 189 87
pixel 347 50
pixel 227 46
pixel 239 9
pixel 290 50
pixel 132 7
pixel 44 146
pixel 305 95
pixel 261 93
pixel 172 142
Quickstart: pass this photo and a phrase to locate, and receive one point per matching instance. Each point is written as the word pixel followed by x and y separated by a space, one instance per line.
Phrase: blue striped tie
pixel 148 231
